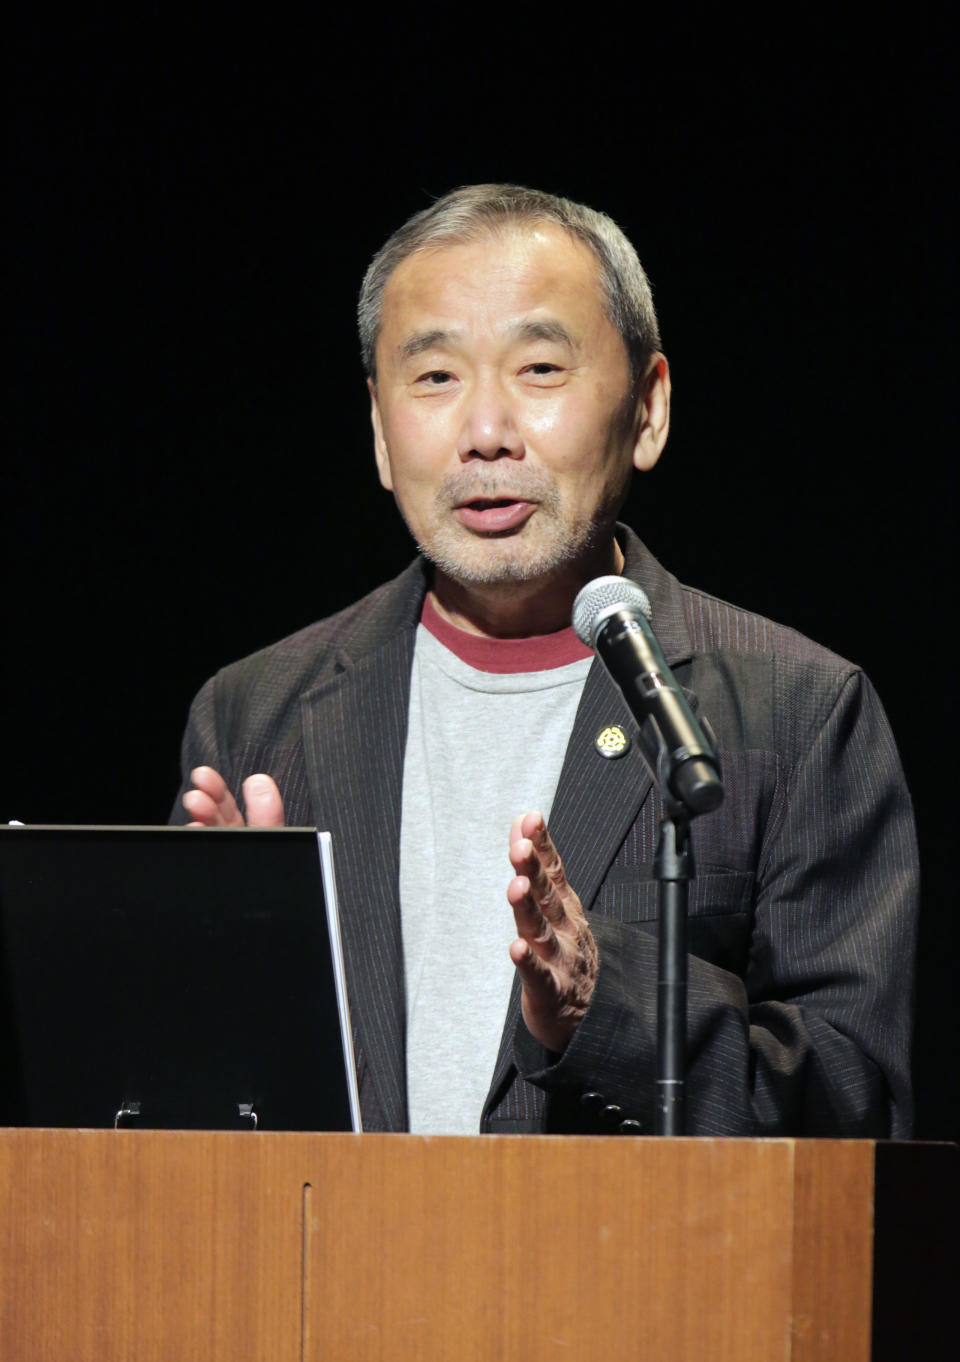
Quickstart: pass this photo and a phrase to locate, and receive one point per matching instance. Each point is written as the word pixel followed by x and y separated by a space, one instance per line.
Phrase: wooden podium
pixel 145 1246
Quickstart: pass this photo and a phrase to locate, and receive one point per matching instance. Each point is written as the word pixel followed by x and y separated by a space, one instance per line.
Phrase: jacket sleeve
pixel 814 1038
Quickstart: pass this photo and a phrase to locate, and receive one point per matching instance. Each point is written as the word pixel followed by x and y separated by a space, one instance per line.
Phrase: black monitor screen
pixel 182 977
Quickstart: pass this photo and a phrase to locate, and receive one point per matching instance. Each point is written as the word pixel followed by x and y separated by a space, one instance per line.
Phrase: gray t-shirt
pixel 482 747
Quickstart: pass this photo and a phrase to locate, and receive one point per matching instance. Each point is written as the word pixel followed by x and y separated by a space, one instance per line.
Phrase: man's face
pixel 504 415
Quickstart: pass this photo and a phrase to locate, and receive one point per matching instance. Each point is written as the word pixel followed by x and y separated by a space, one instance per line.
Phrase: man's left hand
pixel 555 953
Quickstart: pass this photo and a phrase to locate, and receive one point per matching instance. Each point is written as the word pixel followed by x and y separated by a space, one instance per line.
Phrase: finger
pixel 263 801
pixel 535 976
pixel 210 802
pixel 211 782
pixel 202 809
pixel 524 826
pixel 530 827
pixel 533 925
pixel 516 827
pixel 540 1000
pixel 544 888
pixel 209 814
pixel 533 826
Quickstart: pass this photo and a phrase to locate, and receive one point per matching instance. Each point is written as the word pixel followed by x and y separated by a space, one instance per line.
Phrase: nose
pixel 489 429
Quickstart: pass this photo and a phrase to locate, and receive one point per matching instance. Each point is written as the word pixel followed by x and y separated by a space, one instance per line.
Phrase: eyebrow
pixel 420 341
pixel 542 330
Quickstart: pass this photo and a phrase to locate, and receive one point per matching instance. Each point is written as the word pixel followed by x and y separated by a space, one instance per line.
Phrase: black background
pixel 190 475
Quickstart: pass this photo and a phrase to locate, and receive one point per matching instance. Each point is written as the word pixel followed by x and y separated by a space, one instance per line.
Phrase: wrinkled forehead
pixel 494 275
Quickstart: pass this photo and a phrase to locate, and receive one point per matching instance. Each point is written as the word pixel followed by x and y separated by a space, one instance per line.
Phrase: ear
pixel 379 443
pixel 653 414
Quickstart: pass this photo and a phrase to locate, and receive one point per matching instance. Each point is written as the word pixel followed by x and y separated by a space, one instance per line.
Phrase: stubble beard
pixel 541 547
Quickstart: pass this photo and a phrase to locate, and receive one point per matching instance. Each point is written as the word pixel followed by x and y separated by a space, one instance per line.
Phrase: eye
pixel 435 378
pixel 543 374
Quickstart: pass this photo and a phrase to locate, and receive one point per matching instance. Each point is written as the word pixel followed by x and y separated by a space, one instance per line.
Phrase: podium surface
pixel 180 1245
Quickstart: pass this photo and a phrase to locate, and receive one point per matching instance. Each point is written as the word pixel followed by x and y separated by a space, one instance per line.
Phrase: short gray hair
pixel 475 210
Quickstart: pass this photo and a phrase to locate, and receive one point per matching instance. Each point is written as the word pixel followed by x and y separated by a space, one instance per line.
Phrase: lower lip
pixel 508 515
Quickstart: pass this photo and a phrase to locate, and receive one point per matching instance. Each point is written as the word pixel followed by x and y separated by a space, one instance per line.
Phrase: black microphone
pixel 611 615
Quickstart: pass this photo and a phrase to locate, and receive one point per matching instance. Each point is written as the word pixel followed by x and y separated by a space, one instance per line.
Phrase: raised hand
pixel 555 953
pixel 211 804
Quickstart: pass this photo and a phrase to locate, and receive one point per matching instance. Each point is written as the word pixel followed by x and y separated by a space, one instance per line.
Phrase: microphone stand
pixel 612 615
pixel 673 868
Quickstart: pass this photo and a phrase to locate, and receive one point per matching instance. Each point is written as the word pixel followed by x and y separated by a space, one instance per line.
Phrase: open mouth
pixel 494 515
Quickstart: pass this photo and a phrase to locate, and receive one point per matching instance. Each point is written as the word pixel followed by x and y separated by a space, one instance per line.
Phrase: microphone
pixel 611 615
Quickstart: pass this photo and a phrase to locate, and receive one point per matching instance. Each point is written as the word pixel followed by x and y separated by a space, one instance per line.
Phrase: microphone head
pixel 601 598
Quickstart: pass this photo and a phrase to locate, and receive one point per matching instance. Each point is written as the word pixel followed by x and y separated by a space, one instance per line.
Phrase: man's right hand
pixel 211 805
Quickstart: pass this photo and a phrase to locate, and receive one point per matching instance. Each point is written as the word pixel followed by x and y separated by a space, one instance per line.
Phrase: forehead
pixel 492 281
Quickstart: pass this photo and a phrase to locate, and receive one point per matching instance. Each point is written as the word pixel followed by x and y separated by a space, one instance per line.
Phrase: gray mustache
pixel 454 491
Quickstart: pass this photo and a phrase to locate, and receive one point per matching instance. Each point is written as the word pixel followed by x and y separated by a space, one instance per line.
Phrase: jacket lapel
pixel 599 798
pixel 354 727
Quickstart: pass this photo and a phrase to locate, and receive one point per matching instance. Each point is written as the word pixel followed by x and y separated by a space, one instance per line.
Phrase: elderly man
pixel 516 382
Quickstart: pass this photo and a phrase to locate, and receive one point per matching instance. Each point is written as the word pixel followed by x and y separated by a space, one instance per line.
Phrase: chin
pixel 501 561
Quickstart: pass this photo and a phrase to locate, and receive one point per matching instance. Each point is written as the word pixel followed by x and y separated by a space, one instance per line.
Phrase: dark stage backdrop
pixel 189 470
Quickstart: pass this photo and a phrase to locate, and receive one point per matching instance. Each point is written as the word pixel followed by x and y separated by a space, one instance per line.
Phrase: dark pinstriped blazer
pixel 802 913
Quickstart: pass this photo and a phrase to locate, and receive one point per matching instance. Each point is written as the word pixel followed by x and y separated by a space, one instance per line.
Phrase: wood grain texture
pixel 521 1249
pixel 180 1245
pixel 147 1245
pixel 833 1250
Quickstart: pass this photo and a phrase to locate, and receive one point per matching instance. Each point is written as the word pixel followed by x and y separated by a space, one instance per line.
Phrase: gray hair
pixel 472 211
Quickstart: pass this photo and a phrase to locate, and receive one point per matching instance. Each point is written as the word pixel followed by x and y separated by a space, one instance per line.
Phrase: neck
pixel 521 609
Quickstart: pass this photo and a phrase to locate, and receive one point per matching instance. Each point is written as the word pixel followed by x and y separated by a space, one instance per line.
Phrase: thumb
pixel 264 805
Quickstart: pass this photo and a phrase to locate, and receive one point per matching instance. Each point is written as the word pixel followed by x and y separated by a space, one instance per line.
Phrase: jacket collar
pixel 666 596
